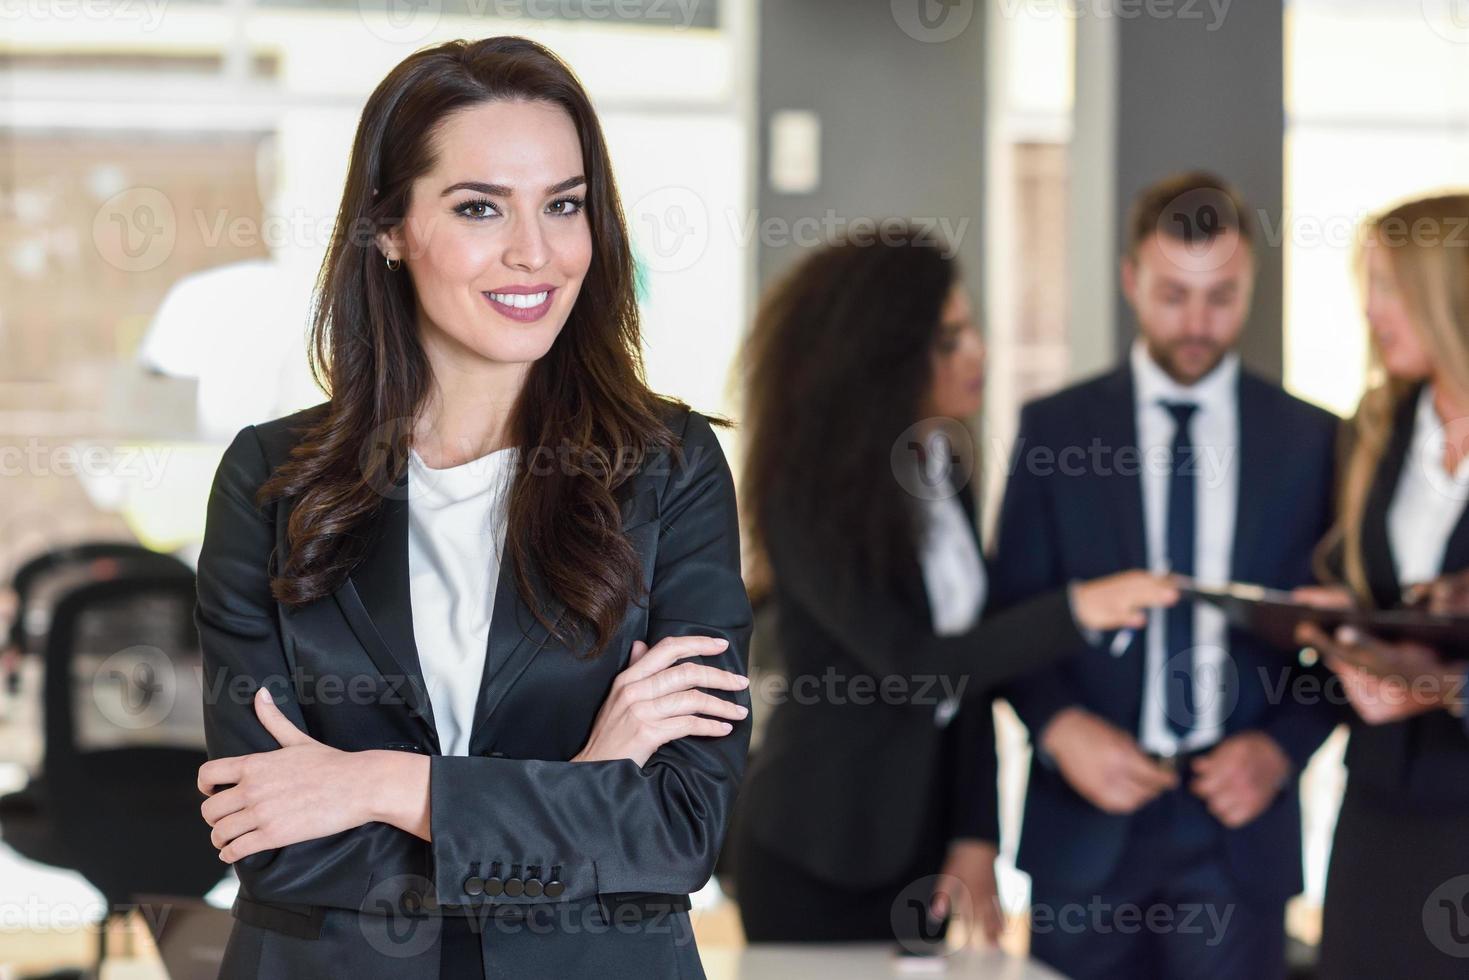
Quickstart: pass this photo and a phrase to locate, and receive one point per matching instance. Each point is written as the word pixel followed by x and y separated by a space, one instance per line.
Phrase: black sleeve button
pixel 412 902
pixel 474 885
pixel 494 886
pixel 554 889
pixel 533 887
pixel 514 887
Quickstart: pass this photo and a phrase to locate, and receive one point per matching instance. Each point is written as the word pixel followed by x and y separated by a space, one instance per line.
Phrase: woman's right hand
pixel 1121 601
pixel 656 699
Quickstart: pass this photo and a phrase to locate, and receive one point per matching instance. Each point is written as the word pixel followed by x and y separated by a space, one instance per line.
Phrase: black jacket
pixel 597 839
pixel 844 785
pixel 1422 763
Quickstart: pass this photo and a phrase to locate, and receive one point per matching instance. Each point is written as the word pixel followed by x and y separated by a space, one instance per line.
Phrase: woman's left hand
pixel 1388 682
pixel 301 791
pixel 966 889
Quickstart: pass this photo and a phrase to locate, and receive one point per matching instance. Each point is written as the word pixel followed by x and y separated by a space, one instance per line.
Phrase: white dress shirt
pixel 1214 431
pixel 1428 500
pixel 456 536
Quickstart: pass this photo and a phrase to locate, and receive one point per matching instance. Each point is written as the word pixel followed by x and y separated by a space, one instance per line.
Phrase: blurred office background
pixel 169 172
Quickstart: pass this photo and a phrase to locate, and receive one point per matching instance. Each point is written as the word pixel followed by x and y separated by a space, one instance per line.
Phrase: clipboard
pixel 1272 615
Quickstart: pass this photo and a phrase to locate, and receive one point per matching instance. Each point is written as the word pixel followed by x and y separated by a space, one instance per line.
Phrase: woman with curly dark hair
pixel 863 372
pixel 450 617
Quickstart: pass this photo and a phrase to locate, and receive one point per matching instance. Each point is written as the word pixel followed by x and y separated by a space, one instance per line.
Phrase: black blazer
pixel 1058 524
pixel 597 839
pixel 1421 763
pixel 845 790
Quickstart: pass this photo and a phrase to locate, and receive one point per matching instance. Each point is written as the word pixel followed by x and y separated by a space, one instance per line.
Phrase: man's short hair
pixel 1191 207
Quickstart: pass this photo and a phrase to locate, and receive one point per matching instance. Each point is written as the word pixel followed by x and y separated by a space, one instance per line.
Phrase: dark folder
pixel 1272 615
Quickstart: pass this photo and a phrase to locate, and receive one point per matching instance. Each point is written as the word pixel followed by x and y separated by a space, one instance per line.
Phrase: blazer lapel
pixel 1253 463
pixel 376 602
pixel 1377 557
pixel 1117 431
pixel 1456 551
pixel 516 635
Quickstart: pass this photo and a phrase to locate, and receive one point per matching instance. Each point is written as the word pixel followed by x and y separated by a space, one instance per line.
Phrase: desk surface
pixel 860 962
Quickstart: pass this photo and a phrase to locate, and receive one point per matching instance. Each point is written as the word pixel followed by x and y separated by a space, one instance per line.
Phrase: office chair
pixel 123 743
pixel 91 559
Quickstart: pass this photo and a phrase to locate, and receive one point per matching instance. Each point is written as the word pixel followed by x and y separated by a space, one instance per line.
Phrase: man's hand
pixel 967 889
pixel 1103 763
pixel 1240 777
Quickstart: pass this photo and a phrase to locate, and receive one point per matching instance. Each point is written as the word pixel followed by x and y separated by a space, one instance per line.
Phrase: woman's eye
pixel 476 210
pixel 566 206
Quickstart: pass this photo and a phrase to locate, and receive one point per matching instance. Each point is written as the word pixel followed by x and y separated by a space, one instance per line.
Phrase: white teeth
pixel 520 300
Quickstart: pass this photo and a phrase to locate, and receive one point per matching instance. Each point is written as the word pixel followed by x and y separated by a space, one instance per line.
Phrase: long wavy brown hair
pixel 836 367
pixel 586 400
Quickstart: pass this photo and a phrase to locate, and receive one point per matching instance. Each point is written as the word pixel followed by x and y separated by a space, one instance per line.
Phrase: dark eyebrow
pixel 500 190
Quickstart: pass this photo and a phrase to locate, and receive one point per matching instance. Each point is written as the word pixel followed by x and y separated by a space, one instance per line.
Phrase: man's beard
pixel 1173 364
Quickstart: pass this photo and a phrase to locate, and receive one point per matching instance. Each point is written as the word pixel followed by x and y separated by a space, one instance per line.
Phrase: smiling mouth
pixel 524 307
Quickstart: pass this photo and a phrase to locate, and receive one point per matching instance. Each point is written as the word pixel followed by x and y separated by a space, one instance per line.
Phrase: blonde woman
pixel 1402 839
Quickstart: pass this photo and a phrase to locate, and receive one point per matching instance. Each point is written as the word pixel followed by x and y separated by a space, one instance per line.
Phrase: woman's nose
pixel 527 248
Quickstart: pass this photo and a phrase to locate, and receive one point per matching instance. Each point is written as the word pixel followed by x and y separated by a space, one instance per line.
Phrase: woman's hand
pixel 1121 601
pixel 967 889
pixel 1324 596
pixel 301 791
pixel 1447 595
pixel 1387 682
pixel 656 699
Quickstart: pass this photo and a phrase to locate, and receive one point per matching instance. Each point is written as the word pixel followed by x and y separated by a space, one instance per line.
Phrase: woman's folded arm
pixel 614 826
pixel 242 650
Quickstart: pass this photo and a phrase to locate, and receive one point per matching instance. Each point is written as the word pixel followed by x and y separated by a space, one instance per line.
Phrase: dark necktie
pixel 1178 620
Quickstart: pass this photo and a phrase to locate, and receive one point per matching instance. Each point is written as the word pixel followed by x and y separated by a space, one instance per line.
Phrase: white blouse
pixel 456 537
pixel 1428 500
pixel 953 569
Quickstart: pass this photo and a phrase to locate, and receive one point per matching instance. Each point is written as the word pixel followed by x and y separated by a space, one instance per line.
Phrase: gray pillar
pixel 1187 86
pixel 898 90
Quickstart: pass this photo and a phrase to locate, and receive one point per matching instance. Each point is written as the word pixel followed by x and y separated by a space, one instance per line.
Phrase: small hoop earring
pixel 393 264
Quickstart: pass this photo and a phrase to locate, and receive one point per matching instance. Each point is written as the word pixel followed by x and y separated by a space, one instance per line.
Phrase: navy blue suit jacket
pixel 1073 510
